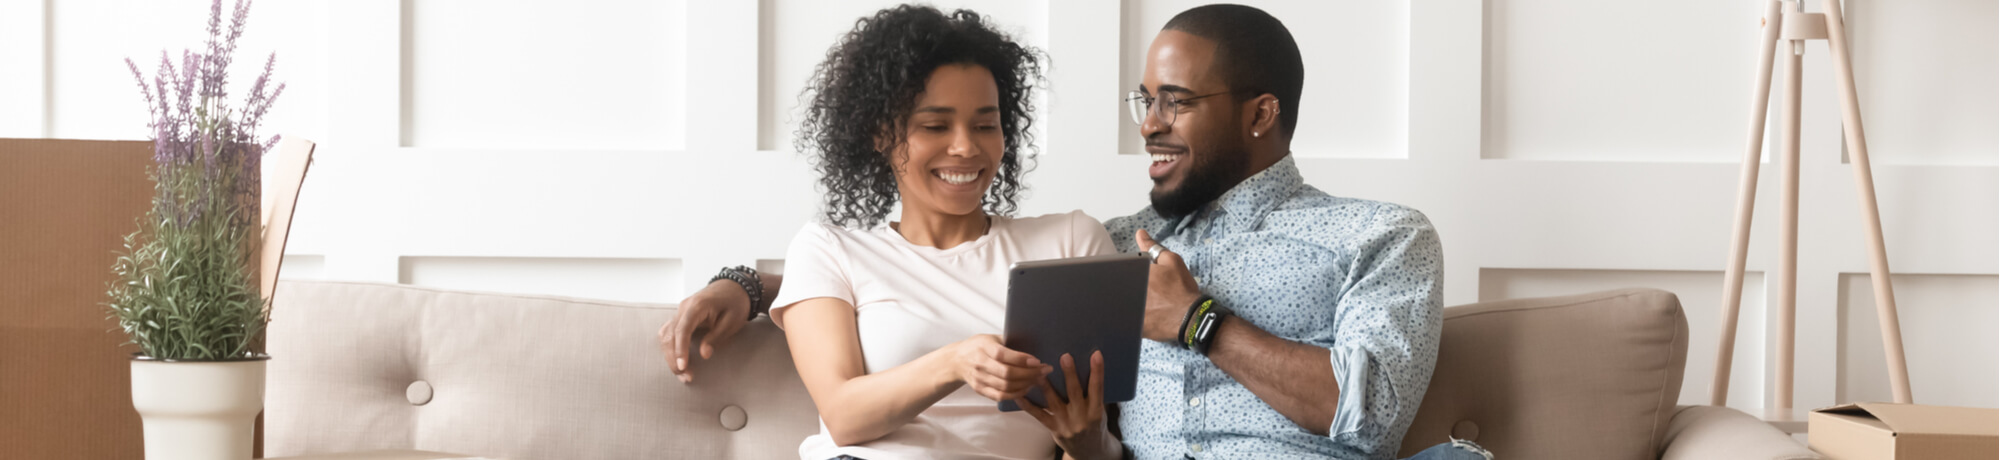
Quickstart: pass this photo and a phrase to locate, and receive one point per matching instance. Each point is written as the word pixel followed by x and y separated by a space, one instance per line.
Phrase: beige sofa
pixel 361 366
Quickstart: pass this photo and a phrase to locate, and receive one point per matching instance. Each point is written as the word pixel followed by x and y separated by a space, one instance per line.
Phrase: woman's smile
pixel 960 179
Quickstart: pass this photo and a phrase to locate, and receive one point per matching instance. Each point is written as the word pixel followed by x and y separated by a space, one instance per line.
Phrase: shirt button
pixel 1196 402
pixel 1208 241
pixel 1195 447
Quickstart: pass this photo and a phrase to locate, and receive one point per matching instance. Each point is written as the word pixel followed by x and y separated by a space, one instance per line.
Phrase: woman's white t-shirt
pixel 910 300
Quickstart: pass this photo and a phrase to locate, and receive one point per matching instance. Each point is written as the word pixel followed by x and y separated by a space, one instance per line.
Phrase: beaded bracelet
pixel 752 286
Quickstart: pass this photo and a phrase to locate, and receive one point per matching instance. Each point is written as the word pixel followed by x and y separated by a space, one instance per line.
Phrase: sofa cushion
pixel 1712 432
pixel 363 366
pixel 1592 376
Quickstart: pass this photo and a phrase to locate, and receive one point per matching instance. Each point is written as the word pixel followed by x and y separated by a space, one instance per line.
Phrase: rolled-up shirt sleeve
pixel 1390 316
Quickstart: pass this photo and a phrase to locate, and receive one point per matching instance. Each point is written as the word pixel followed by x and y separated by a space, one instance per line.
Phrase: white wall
pixel 625 149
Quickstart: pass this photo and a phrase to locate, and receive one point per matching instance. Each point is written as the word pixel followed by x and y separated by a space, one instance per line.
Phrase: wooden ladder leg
pixel 1787 268
pixel 1871 217
pixel 1746 203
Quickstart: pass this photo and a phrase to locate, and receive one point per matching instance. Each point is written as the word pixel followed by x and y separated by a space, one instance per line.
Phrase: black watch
pixel 1203 321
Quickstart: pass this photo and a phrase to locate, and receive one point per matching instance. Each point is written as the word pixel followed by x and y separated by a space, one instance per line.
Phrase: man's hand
pixel 1170 288
pixel 1076 421
pixel 717 311
pixel 993 370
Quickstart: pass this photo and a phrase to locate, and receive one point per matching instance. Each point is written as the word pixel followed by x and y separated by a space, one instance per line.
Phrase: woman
pixel 891 323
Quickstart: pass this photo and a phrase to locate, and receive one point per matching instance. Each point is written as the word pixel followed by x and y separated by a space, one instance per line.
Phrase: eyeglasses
pixel 1139 104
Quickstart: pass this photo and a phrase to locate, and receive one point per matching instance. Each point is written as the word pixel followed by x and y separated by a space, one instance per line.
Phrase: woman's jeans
pixel 1454 450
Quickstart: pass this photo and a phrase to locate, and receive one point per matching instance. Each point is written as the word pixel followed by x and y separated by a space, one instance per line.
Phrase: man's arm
pixel 1389 320
pixel 717 312
pixel 1294 378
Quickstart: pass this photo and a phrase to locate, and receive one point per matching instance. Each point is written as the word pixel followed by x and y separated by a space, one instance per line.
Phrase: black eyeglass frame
pixel 1139 104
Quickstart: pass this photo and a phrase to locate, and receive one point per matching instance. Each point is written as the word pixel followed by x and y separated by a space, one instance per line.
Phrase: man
pixel 1314 319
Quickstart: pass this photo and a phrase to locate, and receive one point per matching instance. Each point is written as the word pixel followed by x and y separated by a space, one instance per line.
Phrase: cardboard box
pixel 1885 431
pixel 65 380
pixel 65 208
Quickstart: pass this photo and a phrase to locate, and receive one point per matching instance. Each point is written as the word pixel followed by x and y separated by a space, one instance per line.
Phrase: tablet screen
pixel 1077 306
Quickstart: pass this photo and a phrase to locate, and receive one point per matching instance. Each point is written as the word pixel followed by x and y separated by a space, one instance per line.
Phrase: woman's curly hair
pixel 868 87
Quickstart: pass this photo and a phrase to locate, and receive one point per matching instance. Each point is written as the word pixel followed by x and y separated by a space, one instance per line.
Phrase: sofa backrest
pixel 363 366
pixel 1590 376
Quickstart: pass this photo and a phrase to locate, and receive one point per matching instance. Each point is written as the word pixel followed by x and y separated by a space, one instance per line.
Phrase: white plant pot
pixel 198 409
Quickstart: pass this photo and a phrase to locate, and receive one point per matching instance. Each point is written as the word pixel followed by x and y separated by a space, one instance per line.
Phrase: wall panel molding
pixel 1618 81
pixel 1950 349
pixel 1358 58
pixel 630 280
pixel 24 85
pixel 616 80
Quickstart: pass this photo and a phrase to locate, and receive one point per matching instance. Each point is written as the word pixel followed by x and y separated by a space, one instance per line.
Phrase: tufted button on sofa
pixel 362 366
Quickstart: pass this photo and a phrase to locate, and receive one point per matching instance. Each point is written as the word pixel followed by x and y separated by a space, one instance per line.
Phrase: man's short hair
pixel 1254 54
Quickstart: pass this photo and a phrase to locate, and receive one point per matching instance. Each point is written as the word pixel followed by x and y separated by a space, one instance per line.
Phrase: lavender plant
pixel 186 287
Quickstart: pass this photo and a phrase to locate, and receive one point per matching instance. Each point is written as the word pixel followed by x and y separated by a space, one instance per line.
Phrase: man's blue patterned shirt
pixel 1360 278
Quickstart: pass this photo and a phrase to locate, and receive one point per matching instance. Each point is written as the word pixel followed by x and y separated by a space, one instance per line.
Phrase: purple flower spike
pixel 206 153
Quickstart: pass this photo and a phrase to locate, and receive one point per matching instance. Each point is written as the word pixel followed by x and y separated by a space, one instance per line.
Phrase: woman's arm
pixel 859 407
pixel 718 310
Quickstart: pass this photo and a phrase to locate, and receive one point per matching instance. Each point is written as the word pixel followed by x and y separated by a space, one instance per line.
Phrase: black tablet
pixel 1077 306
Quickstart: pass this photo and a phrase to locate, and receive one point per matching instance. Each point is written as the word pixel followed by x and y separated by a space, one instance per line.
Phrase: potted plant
pixel 187 291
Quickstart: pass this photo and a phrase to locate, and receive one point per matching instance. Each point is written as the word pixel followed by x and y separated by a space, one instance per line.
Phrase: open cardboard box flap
pixel 1885 431
pixel 292 156
pixel 1910 418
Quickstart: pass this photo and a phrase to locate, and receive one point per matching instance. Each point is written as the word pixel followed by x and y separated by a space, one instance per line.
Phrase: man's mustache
pixel 1156 142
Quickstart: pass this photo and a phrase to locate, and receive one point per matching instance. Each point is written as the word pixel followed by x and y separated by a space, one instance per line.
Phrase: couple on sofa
pixel 1326 310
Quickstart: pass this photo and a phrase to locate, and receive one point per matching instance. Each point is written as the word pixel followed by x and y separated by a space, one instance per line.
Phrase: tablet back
pixel 1076 306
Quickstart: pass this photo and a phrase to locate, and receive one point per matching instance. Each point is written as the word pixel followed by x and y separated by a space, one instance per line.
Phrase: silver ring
pixel 1155 252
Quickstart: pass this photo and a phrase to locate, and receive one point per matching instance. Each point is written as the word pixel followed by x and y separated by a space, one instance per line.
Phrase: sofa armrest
pixel 1710 432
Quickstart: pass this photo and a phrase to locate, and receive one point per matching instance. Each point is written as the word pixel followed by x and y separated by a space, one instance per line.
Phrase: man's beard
pixel 1208 176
